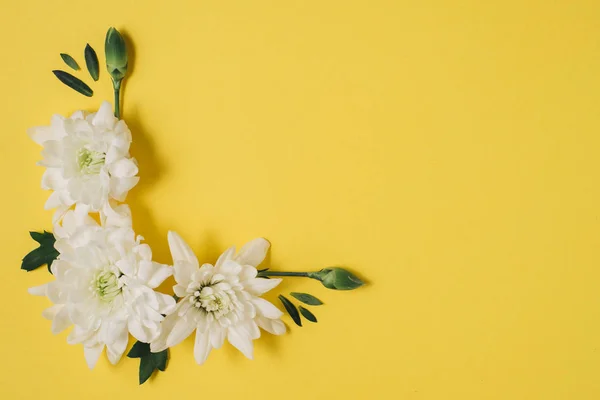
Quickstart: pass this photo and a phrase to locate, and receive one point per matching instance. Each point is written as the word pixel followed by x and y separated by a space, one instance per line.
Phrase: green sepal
pixel 307 299
pixel 116 55
pixel 45 254
pixel 307 314
pixel 149 362
pixel 74 83
pixel 262 270
pixel 291 309
pixel 70 61
pixel 91 61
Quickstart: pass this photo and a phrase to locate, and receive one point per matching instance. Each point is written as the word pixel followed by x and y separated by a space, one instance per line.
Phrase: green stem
pixel 118 102
pixel 281 273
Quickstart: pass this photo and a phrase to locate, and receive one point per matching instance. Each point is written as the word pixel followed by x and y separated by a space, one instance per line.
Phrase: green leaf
pixel 146 369
pixel 45 254
pixel 160 359
pixel 91 61
pixel 42 237
pixel 149 362
pixel 70 61
pixel 307 314
pixel 291 309
pixel 139 350
pixel 307 299
pixel 74 83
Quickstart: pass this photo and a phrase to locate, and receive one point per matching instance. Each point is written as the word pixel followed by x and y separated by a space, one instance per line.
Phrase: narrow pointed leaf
pixel 307 314
pixel 70 61
pixel 146 369
pixel 307 299
pixel 74 83
pixel 291 309
pixel 91 61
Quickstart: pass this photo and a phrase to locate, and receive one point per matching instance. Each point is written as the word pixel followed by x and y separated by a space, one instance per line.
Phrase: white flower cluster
pixel 104 278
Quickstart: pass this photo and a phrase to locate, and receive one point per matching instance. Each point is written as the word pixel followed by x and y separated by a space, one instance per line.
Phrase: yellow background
pixel 448 151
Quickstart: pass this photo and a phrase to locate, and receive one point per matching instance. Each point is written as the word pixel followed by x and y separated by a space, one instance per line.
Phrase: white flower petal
pixel 166 303
pixel 104 118
pixel 116 215
pixel 51 311
pixel 141 332
pixel 240 340
pixel 273 326
pixel 250 328
pixel 180 250
pixel 119 187
pixel 160 343
pixel 61 321
pixel 259 286
pixel 217 337
pixel 115 350
pixel 153 273
pixel 227 255
pixel 53 179
pixel 123 168
pixel 267 309
pixel 79 114
pixel 229 267
pixel 253 252
pixel 92 354
pixel 52 154
pixel 180 290
pixel 53 201
pixel 248 273
pixel 202 347
pixel 41 134
pixel 38 290
pixel 183 272
pixel 181 330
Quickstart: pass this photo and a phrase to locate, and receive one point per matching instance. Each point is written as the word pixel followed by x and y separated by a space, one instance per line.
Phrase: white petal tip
pixel 37 290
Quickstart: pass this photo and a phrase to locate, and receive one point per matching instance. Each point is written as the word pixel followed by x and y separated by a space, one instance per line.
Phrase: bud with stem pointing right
pixel 332 278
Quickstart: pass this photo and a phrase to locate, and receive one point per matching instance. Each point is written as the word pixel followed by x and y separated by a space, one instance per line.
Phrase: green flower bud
pixel 116 55
pixel 337 278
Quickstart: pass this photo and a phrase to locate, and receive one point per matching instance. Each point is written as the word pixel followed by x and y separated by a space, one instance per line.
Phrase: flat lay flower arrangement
pixel 104 278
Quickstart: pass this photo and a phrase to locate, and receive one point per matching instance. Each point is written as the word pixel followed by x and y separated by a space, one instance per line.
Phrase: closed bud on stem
pixel 116 56
pixel 337 278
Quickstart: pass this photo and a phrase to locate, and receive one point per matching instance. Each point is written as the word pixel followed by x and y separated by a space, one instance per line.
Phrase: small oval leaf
pixel 307 314
pixel 307 299
pixel 74 83
pixel 91 61
pixel 291 309
pixel 70 61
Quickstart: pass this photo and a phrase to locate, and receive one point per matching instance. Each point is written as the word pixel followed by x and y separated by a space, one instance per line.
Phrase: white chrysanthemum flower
pixel 87 160
pixel 104 281
pixel 219 301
